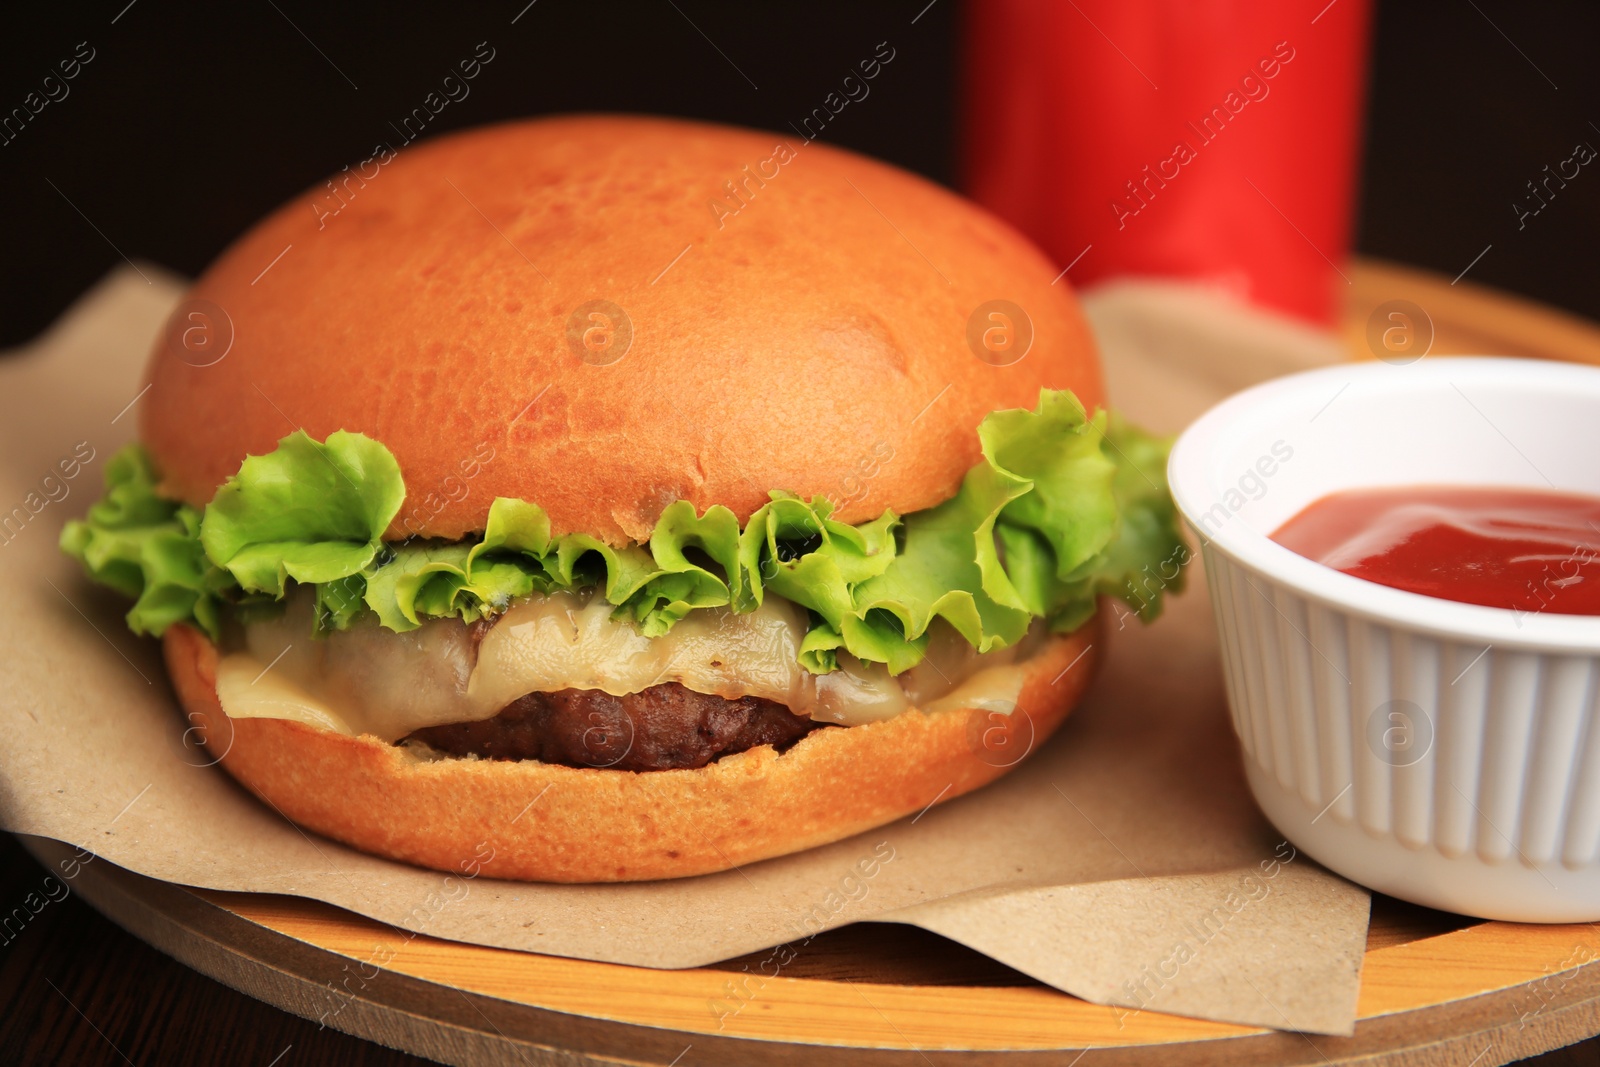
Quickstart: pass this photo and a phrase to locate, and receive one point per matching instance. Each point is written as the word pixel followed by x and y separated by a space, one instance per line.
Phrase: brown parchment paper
pixel 1124 862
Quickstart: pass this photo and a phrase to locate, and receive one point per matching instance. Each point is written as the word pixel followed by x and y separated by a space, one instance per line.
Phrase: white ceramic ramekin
pixel 1445 753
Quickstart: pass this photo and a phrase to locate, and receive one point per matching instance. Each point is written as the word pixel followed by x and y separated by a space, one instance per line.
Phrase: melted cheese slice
pixel 367 680
pixel 567 641
pixel 249 690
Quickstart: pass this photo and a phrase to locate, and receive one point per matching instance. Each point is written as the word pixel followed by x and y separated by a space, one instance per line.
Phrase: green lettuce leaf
pixel 1149 553
pixel 1063 508
pixel 147 548
pixel 308 511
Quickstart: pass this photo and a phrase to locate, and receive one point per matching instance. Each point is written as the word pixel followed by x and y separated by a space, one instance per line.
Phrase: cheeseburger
pixel 607 498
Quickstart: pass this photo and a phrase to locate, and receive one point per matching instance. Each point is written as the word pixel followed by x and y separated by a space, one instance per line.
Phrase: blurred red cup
pixel 1209 140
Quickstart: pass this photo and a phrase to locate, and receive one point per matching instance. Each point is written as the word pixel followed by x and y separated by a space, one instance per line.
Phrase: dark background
pixel 192 121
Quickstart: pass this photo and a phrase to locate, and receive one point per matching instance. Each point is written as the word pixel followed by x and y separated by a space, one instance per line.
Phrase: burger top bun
pixel 604 314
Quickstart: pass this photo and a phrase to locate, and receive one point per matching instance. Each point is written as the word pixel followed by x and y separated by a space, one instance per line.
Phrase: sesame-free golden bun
pixel 602 825
pixel 799 318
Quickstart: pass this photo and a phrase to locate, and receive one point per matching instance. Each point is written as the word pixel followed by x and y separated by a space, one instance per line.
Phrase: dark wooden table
pixel 75 988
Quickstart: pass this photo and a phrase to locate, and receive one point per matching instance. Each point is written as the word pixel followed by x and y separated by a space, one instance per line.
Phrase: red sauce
pixel 1523 549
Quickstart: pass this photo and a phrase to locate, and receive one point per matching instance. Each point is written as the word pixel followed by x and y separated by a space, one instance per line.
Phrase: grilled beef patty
pixel 665 727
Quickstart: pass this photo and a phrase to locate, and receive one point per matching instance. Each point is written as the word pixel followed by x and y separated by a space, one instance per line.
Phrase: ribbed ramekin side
pixel 1226 581
pixel 1332 712
pixel 1415 659
pixel 1265 620
pixel 1508 725
pixel 1581 840
pixel 1298 711
pixel 1371 687
pixel 1434 743
pixel 1564 687
pixel 1459 723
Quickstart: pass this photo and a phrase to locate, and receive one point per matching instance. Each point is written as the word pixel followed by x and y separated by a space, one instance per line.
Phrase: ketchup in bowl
pixel 1524 549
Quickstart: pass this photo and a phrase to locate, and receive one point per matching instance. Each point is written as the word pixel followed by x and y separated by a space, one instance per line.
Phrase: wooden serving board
pixel 1436 988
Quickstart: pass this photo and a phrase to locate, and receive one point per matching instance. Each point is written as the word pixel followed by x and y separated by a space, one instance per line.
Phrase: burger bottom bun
pixel 546 823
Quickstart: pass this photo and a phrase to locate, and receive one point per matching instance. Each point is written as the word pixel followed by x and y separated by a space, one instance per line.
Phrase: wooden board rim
pixel 453 1022
pixel 1477 960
